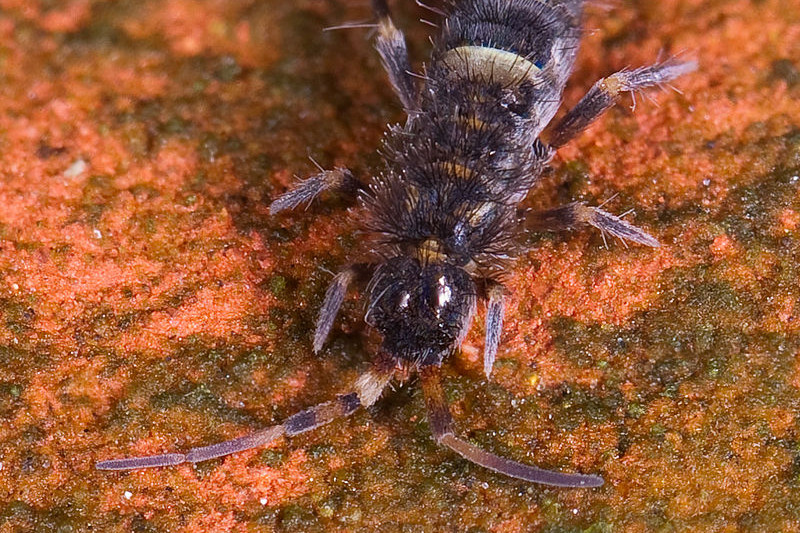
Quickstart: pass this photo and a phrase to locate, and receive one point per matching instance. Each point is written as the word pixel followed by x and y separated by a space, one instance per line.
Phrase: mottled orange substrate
pixel 149 303
pixel 219 27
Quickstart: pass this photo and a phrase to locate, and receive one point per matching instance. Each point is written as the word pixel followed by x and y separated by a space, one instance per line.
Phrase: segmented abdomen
pixel 470 154
pixel 538 31
pixel 525 48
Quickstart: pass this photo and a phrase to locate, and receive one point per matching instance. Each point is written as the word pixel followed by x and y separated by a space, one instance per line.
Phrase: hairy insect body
pixel 443 214
pixel 444 210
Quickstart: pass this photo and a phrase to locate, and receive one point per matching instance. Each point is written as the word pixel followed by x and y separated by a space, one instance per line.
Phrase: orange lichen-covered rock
pixel 149 303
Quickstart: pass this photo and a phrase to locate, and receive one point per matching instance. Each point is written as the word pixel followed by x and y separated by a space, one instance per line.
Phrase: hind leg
pixel 607 92
pixel 391 46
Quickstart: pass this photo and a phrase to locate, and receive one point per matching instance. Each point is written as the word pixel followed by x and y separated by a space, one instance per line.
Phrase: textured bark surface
pixel 149 303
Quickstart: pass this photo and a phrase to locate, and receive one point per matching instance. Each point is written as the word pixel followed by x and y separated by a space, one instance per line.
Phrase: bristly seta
pixel 442 215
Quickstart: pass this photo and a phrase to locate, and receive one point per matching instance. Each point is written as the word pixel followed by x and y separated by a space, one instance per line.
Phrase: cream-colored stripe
pixel 455 169
pixel 492 63
pixel 472 122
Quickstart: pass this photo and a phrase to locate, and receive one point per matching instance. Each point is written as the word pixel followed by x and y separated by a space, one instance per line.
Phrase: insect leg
pixel 334 297
pixel 607 92
pixel 391 46
pixel 495 309
pixel 578 214
pixel 338 179
pixel 441 425
pixel 368 388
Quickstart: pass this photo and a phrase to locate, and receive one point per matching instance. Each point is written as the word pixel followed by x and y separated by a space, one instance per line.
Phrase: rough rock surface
pixel 149 303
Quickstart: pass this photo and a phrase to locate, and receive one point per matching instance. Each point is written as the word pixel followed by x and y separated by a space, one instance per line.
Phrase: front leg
pixel 334 297
pixel 607 92
pixel 578 214
pixel 496 295
pixel 391 46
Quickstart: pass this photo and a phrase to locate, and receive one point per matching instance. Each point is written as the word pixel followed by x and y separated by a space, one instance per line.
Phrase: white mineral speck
pixel 76 169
